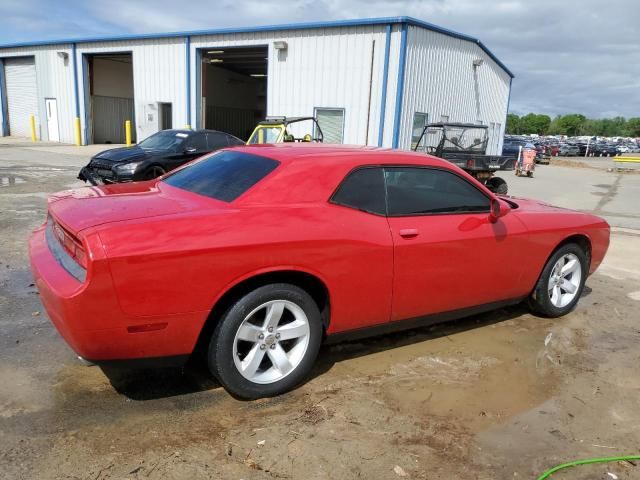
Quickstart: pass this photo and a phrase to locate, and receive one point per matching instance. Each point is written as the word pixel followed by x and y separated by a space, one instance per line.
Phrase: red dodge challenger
pixel 255 255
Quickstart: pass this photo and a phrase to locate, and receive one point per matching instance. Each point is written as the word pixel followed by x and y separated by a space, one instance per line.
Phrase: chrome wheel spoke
pixel 570 267
pixel 568 287
pixel 274 314
pixel 280 359
pixel 295 329
pixel 556 295
pixel 249 332
pixel 252 361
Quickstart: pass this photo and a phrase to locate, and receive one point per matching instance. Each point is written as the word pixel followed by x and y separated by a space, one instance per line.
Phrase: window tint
pixel 216 141
pixel 223 176
pixel 416 191
pixel 197 141
pixel 362 190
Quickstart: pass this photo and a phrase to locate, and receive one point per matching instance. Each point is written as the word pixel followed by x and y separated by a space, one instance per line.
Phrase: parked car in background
pixel 602 150
pixel 154 156
pixel 511 146
pixel 253 255
pixel 568 150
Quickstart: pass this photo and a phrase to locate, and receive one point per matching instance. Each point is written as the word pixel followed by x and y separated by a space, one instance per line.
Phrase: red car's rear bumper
pixel 89 318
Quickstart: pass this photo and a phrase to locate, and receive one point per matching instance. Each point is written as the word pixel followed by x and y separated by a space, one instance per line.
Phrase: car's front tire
pixel 267 342
pixel 561 282
pixel 153 171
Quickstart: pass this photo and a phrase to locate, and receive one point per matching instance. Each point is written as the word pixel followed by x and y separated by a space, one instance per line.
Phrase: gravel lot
pixel 495 396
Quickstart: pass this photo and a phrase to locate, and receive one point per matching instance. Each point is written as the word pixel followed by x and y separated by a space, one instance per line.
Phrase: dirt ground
pixel 497 396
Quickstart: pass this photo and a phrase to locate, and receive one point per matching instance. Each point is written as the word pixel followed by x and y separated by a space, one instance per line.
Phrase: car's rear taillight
pixel 71 244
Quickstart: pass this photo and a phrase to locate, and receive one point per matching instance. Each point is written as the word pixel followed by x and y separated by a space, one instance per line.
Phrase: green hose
pixel 550 472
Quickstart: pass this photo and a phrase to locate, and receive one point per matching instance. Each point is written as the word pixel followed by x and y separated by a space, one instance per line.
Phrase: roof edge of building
pixel 268 28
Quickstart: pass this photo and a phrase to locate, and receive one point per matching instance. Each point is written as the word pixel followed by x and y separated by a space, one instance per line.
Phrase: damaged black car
pixel 154 156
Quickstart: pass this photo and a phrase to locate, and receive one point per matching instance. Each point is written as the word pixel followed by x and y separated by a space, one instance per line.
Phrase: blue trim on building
pixel 385 78
pixel 74 65
pixel 508 103
pixel 86 96
pixel 187 46
pixel 198 92
pixel 397 119
pixel 3 101
pixel 274 28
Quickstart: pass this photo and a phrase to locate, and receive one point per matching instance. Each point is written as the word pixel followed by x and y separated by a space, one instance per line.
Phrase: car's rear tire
pixel 497 185
pixel 267 342
pixel 561 282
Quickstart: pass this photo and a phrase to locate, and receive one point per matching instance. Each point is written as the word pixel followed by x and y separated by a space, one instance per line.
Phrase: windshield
pixel 225 175
pixel 454 138
pixel 164 140
pixel 265 135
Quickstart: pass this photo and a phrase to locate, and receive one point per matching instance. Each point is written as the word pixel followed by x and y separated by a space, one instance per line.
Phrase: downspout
pixel 385 77
pixel 400 87
pixel 76 122
pixel 3 102
pixel 187 45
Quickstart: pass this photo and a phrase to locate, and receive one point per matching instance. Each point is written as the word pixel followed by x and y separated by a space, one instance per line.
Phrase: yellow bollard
pixel 77 130
pixel 127 132
pixel 32 122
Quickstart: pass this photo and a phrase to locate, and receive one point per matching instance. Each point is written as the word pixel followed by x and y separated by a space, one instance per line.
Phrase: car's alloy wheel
pixel 565 280
pixel 561 282
pixel 267 341
pixel 271 341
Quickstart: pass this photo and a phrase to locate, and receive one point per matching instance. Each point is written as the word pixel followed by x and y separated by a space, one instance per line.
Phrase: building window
pixel 420 121
pixel 331 121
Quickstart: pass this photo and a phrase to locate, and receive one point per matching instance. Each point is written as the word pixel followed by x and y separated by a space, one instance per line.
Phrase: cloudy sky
pixel 568 55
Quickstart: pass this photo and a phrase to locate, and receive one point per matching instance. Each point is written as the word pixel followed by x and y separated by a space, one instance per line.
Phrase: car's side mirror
pixel 498 209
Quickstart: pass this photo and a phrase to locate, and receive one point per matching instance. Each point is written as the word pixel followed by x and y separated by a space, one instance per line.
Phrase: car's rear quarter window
pixel 224 176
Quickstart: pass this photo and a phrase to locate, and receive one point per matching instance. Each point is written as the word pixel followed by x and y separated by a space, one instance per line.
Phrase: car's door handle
pixel 408 232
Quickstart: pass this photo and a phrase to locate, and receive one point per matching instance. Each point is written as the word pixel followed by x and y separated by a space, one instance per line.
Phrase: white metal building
pixel 372 81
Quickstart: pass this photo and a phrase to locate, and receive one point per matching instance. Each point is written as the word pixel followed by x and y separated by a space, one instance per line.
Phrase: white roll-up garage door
pixel 22 94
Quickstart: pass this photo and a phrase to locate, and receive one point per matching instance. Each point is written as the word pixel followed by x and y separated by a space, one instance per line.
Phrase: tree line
pixel 572 125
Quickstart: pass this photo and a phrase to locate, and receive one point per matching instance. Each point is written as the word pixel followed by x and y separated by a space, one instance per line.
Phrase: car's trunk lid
pixel 87 207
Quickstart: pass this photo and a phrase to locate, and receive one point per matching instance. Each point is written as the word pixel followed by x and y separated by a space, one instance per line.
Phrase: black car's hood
pixel 124 154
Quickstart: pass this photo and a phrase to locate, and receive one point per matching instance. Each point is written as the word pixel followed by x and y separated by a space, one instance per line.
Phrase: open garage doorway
pixel 233 89
pixel 110 97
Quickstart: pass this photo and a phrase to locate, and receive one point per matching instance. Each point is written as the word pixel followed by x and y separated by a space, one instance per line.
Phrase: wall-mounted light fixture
pixel 63 55
pixel 280 45
pixel 477 62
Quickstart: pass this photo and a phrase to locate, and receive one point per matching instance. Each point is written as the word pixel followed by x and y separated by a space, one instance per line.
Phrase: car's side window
pixel 198 142
pixel 217 140
pixel 363 189
pixel 425 191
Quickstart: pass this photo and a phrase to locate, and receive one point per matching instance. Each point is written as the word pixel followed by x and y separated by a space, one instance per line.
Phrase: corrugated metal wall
pixel 109 114
pixel 54 77
pixel 439 80
pixel 158 76
pixel 321 68
pixel 22 94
